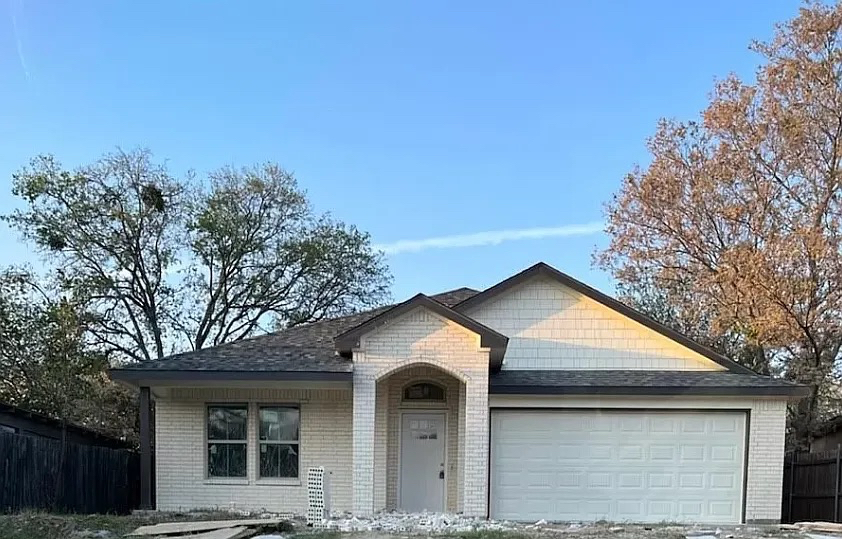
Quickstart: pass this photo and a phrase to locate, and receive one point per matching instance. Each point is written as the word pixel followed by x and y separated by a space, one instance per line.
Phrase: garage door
pixel 617 465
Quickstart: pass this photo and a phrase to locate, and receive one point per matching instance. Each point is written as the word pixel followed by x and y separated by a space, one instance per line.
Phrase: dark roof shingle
pixel 619 382
pixel 304 348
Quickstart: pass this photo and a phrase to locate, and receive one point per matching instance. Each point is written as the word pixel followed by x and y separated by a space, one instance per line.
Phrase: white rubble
pixel 412 522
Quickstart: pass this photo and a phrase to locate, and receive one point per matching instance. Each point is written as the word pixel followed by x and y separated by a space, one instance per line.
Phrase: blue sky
pixel 413 120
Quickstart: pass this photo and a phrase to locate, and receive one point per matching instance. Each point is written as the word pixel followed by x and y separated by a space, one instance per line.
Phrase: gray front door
pixel 422 461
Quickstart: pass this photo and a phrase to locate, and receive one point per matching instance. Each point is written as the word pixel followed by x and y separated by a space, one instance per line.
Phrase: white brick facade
pixel 354 432
pixel 765 460
pixel 180 449
pixel 553 327
pixel 421 338
pixel 387 439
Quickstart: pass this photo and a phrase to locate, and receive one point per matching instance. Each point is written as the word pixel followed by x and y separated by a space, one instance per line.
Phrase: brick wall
pixel 388 435
pixel 766 460
pixel 419 338
pixel 180 461
pixel 553 327
pixel 767 421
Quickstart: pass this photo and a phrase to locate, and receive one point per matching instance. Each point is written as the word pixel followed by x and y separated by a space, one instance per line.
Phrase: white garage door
pixel 639 466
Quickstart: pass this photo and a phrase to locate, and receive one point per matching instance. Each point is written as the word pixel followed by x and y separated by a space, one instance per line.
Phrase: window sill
pixel 280 482
pixel 225 481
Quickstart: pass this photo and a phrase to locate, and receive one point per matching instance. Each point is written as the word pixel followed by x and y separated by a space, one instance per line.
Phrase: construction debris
pixel 828 527
pixel 273 526
pixel 172 528
pixel 225 533
pixel 413 522
pixel 820 536
pixel 317 495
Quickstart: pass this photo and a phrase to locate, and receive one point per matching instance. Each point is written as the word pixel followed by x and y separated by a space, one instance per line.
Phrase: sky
pixel 471 139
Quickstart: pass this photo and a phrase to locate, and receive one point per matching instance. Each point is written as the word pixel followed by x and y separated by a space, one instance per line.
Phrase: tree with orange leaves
pixel 734 226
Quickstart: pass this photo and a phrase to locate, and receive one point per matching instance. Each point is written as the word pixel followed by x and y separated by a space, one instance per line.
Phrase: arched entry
pixel 418 459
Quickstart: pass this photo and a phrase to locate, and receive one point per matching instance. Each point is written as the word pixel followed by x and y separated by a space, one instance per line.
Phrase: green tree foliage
pixel 260 255
pixel 166 264
pixel 47 367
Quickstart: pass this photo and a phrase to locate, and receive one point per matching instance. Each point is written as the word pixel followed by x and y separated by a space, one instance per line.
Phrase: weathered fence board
pixel 811 487
pixel 40 473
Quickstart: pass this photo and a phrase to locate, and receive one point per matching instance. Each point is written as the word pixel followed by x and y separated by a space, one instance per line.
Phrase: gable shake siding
pixel 553 327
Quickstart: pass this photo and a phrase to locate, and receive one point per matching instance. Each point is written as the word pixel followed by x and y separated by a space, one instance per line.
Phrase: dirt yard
pixel 51 526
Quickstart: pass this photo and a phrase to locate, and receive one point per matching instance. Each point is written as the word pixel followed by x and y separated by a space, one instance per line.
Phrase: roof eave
pixel 140 376
pixel 795 392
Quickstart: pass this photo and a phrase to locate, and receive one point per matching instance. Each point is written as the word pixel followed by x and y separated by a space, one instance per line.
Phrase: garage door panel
pixel 618 465
pixel 724 453
pixel 722 509
pixel 599 451
pixel 725 424
pixel 567 479
pixel 691 480
pixel 630 480
pixel 663 425
pixel 631 453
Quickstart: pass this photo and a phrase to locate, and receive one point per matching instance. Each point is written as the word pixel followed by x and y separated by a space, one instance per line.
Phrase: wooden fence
pixel 811 489
pixel 40 473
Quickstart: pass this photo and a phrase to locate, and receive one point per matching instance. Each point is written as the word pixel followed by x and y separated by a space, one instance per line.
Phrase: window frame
pixel 245 442
pixel 433 383
pixel 260 406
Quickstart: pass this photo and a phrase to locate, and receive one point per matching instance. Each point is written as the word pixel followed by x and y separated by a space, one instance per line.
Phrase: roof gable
pixel 489 338
pixel 544 270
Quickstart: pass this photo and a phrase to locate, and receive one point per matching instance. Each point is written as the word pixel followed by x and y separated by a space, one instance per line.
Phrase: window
pixel 227 432
pixel 423 391
pixel 279 441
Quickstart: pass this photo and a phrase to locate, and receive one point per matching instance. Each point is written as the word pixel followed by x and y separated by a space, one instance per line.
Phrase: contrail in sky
pixel 489 238
pixel 18 42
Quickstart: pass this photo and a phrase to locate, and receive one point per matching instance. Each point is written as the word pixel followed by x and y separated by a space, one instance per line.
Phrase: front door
pixel 422 462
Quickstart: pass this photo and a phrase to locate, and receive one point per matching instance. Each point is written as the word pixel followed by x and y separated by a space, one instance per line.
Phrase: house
pixel 14 420
pixel 539 397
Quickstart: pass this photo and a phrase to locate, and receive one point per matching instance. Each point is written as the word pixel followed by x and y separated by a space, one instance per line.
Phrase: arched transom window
pixel 423 391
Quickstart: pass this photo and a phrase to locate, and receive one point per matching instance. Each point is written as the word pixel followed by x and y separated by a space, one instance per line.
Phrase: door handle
pixel 441 474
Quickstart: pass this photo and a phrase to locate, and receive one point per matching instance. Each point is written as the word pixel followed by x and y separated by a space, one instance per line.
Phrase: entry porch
pixel 419 442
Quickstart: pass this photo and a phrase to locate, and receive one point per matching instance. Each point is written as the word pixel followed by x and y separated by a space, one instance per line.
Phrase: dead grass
pixel 37 525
